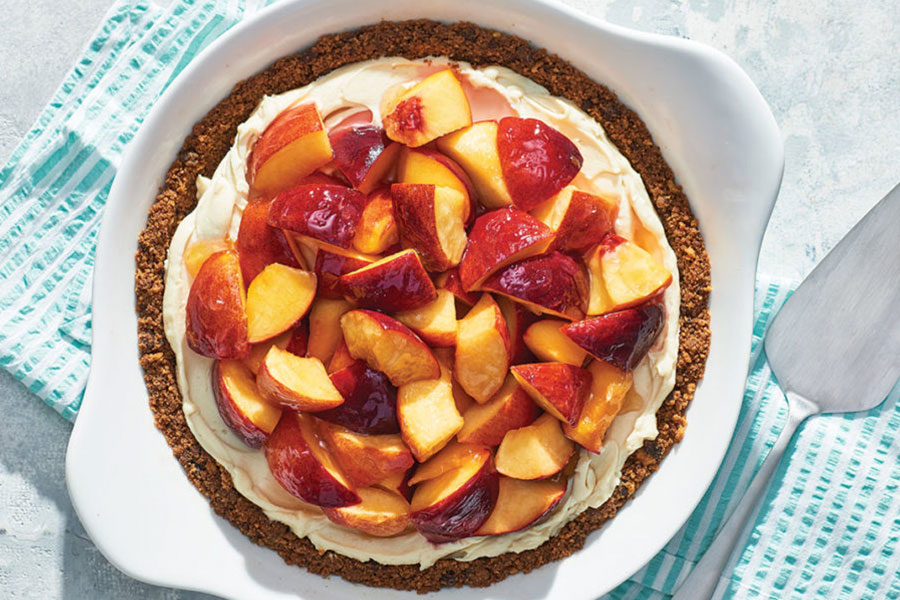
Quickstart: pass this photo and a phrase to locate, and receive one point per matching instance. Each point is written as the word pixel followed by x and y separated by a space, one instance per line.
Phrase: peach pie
pixel 422 310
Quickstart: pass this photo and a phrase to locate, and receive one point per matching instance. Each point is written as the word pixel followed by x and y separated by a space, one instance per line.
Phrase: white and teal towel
pixel 830 526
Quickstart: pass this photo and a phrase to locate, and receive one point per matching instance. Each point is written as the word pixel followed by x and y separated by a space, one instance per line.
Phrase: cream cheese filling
pixel 494 91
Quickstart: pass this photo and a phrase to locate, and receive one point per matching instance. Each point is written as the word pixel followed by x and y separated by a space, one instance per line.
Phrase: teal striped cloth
pixel 830 524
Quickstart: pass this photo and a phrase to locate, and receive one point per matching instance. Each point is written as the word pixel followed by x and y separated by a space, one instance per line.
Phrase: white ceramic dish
pixel 715 131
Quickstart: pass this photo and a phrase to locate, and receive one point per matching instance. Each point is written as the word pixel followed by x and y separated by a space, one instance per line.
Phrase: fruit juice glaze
pixel 354 94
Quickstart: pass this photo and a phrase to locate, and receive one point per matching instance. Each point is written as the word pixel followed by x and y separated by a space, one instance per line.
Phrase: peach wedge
pixel 435 106
pixel 497 239
pixel 521 503
pixel 380 513
pixel 300 462
pixel 455 504
pixel 292 146
pixel 277 299
pixel 558 388
pixel 324 327
pixel 475 150
pixel 453 456
pixel 536 451
pixel 422 165
pixel 578 218
pixel 258 243
pixel 510 408
pixel 622 338
pixel 250 416
pixel 537 160
pixel 363 154
pixel 548 343
pixel 377 229
pixel 427 414
pixel 482 350
pixel 554 284
pixel 623 275
pixel 435 322
pixel 608 388
pixel 430 219
pixel 394 283
pixel 216 319
pixel 297 382
pixel 365 459
pixel 389 346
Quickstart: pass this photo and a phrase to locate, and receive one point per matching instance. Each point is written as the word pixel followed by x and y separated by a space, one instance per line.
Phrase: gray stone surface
pixel 828 68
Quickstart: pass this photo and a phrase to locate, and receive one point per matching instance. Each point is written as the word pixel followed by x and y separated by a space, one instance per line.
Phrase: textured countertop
pixel 828 69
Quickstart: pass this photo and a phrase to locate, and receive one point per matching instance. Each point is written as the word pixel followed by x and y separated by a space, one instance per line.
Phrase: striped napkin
pixel 829 527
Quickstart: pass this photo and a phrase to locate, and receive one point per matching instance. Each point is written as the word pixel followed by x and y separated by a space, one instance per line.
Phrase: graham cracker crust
pixel 207 145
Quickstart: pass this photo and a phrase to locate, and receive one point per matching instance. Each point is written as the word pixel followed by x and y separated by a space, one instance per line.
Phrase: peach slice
pixel 621 338
pixel 197 253
pixel 455 504
pixel 552 283
pixel 453 456
pixel 497 239
pixel 292 146
pixel 482 350
pixel 277 299
pixel 558 388
pixel 327 213
pixel 537 160
pixel 366 459
pixel 449 280
pixel 329 266
pixel 548 343
pixel 300 462
pixel 216 320
pixel 370 401
pixel 435 106
pixel 324 327
pixel 510 408
pixel 377 230
pixel 380 513
pixel 240 404
pixel 297 382
pixel 397 483
pixel 430 219
pixel 608 388
pixel 258 351
pixel 627 273
pixel 435 322
pixel 340 360
pixel 363 154
pixel 475 150
pixel 395 283
pixel 518 318
pixel 258 243
pixel 427 414
pixel 579 219
pixel 389 346
pixel 536 451
pixel 423 165
pixel 521 503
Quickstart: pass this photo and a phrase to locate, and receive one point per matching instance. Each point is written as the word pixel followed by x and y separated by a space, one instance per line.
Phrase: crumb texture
pixel 207 145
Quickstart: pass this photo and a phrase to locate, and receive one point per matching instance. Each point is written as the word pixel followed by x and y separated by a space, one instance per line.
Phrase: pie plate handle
pixel 705 577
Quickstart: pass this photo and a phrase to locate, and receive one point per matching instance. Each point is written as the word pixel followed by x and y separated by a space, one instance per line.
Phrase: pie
pixel 423 317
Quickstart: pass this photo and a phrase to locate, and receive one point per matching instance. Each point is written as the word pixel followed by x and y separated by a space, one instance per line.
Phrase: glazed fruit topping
pixel 421 319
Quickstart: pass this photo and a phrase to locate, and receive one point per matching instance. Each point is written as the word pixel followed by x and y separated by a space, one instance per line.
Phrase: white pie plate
pixel 716 132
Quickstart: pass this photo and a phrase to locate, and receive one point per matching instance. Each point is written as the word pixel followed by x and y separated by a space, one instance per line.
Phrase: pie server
pixel 834 347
